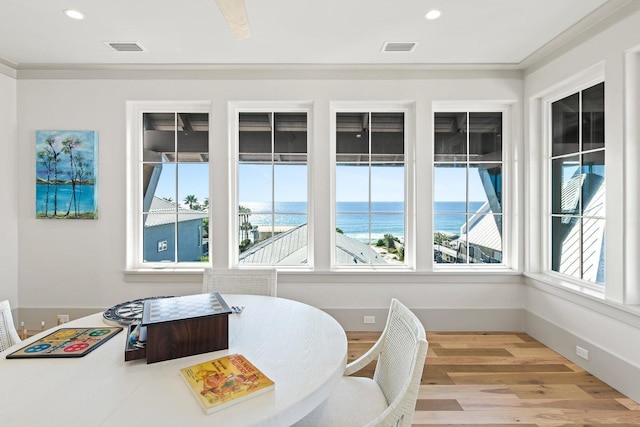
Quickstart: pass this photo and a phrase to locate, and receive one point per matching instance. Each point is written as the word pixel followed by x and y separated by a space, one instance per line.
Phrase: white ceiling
pixel 37 33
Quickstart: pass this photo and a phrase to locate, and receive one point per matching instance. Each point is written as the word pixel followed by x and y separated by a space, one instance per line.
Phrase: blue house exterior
pixel 160 234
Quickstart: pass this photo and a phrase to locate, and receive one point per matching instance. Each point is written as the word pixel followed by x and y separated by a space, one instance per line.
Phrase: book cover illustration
pixel 225 381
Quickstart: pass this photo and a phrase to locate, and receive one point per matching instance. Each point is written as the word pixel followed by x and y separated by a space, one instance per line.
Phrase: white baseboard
pixel 434 319
pixel 33 317
pixel 437 319
pixel 616 372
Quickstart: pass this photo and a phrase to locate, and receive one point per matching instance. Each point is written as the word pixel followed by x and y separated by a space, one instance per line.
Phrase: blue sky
pixel 352 184
pixel 449 185
pixel 193 179
pixel 291 183
pixel 256 180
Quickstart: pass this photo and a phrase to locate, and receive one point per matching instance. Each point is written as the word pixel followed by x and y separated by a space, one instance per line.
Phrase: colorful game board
pixel 66 342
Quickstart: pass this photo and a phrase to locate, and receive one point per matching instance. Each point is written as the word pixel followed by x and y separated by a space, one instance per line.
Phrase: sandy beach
pixel 390 258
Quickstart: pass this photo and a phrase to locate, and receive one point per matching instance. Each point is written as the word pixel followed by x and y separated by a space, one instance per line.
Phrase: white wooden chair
pixel 255 282
pixel 389 399
pixel 8 334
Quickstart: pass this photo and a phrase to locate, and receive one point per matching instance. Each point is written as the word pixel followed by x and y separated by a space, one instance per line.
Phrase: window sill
pixel 409 275
pixel 467 270
pixel 473 269
pixel 187 275
pixel 402 276
pixel 584 296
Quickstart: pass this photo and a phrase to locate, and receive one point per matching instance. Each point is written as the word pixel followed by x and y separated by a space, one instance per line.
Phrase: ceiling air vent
pixel 399 46
pixel 125 46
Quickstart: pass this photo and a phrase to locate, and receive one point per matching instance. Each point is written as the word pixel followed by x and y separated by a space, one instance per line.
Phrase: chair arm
pixel 365 359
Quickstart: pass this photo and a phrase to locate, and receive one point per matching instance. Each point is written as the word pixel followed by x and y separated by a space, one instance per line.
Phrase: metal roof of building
pixel 483 230
pixel 586 255
pixel 290 248
pixel 163 212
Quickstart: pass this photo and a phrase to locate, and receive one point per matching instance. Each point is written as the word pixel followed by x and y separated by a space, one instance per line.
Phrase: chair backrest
pixel 8 334
pixel 400 363
pixel 254 282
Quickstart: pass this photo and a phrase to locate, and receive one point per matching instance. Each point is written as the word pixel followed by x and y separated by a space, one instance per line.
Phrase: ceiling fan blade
pixel 236 15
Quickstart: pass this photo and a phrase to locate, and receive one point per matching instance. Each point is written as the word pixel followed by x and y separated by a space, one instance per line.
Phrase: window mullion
pixel 580 193
pixel 273 173
pixel 466 186
pixel 177 186
pixel 370 166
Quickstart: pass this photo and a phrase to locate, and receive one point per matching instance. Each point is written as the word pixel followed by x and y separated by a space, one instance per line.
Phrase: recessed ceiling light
pixel 73 14
pixel 433 14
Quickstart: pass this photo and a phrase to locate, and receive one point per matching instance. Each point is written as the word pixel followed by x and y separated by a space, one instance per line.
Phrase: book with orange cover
pixel 225 381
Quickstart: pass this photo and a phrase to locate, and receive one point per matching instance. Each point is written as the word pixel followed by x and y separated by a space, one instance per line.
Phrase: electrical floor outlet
pixel 582 352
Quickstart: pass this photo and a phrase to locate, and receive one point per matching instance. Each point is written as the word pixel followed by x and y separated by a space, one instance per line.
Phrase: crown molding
pixel 7 68
pixel 267 71
pixel 593 24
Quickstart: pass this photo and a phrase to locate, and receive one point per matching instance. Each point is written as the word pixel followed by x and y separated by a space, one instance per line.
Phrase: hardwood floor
pixel 506 379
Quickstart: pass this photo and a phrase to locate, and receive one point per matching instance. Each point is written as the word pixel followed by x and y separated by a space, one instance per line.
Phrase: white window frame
pixel 134 226
pixel 408 108
pixel 580 83
pixel 234 110
pixel 509 183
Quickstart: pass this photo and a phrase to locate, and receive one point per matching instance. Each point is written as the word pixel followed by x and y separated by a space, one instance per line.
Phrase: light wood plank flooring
pixel 506 379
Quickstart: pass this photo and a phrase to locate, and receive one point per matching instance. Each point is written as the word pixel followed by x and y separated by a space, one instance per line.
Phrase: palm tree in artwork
pixel 54 155
pixel 46 160
pixel 82 173
pixel 191 200
pixel 68 145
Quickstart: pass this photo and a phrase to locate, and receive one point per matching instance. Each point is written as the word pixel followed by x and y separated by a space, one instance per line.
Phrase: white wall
pixel 8 191
pixel 79 264
pixel 564 318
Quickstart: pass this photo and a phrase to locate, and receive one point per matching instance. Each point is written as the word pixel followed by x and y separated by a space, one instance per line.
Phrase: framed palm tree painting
pixel 66 174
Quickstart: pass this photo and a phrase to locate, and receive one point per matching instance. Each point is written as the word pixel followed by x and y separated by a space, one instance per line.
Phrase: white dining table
pixel 301 348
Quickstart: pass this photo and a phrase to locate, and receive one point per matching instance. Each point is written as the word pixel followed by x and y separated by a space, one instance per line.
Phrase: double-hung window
pixel 169 166
pixel 577 181
pixel 370 189
pixel 272 226
pixel 468 187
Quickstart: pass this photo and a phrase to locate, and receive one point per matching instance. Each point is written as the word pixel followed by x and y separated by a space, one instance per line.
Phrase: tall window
pixel 272 220
pixel 173 203
pixel 578 185
pixel 370 189
pixel 468 214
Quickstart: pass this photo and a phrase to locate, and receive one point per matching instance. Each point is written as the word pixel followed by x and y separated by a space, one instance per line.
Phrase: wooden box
pixel 184 326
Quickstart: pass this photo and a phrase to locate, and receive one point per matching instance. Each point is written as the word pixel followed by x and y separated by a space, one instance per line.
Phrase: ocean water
pixel 387 217
pixel 84 194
